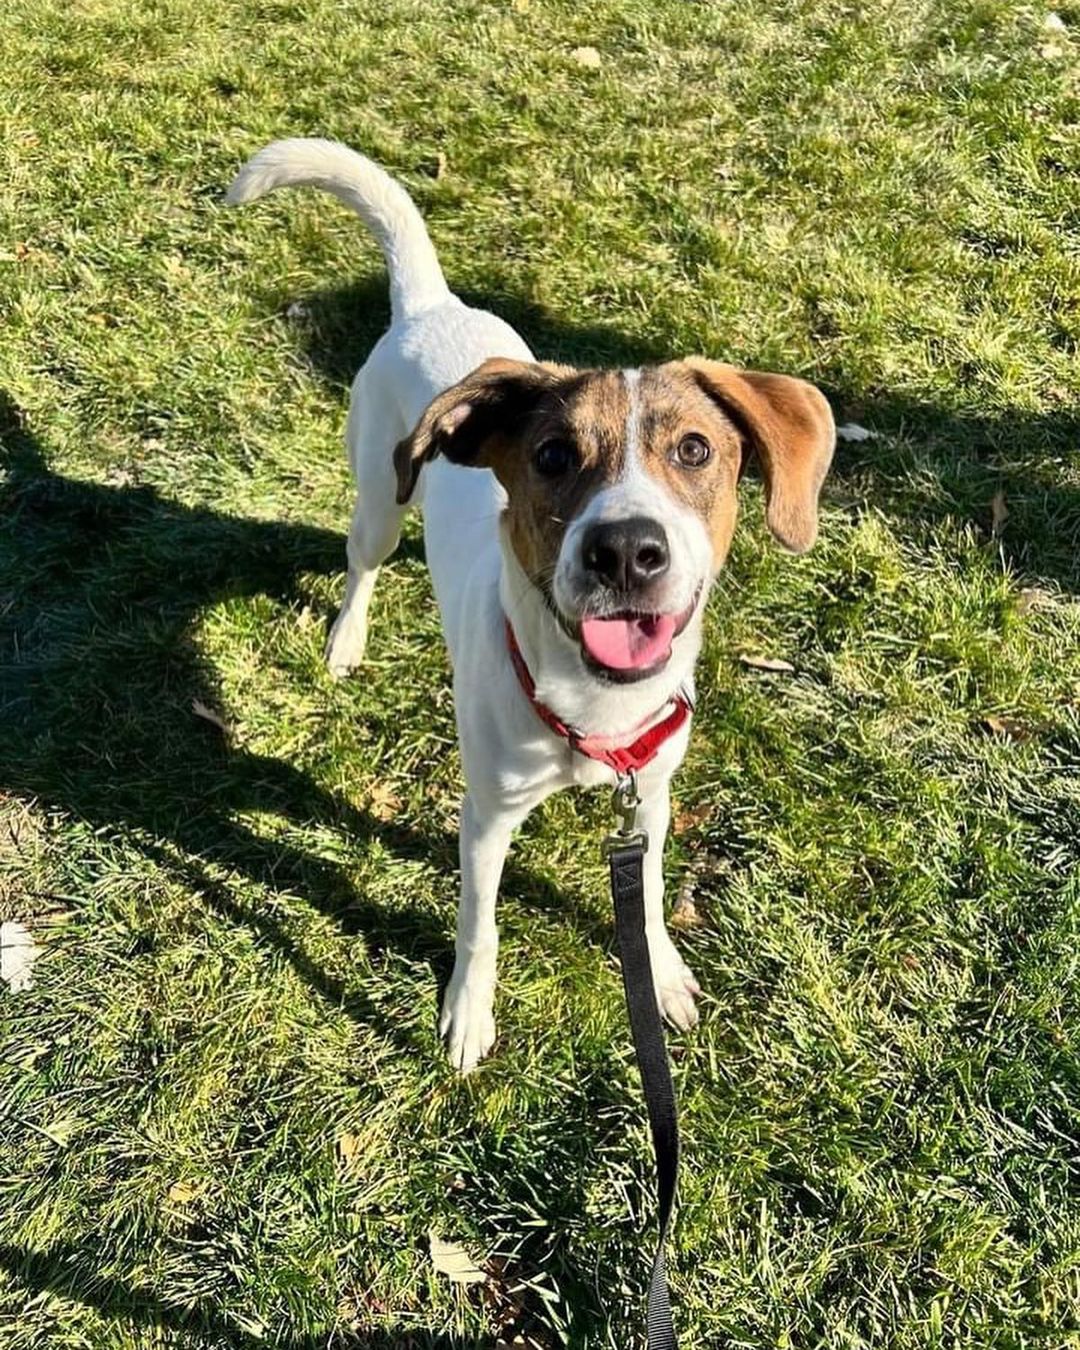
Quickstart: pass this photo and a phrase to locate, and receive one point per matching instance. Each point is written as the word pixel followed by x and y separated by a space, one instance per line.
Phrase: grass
pixel 224 1118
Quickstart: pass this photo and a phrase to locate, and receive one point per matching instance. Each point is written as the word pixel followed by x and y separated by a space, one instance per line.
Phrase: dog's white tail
pixel 416 279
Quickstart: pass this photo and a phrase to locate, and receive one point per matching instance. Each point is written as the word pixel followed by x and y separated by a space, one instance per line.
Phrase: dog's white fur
pixel 512 761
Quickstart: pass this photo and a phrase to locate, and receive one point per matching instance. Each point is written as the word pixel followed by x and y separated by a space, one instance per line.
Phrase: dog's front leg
pixel 676 987
pixel 468 1021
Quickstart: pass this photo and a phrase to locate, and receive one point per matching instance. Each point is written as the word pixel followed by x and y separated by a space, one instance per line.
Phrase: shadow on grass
pixel 100 587
pixel 64 1270
pixel 97 678
pixel 98 674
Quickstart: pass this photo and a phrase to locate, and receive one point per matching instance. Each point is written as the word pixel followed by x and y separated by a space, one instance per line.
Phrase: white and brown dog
pixel 574 521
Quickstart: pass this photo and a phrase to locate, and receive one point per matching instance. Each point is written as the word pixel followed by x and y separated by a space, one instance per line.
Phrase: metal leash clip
pixel 625 802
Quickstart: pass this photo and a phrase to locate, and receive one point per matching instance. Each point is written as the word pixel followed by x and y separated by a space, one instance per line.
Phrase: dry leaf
pixel 183 1192
pixel 684 913
pixel 687 818
pixel 453 1261
pixel 1008 727
pixel 1055 23
pixel 999 513
pixel 208 715
pixel 587 56
pixel 22 251
pixel 1030 598
pixel 18 953
pixel 347 1146
pixel 383 802
pixel 910 961
pixel 766 663
pixel 851 431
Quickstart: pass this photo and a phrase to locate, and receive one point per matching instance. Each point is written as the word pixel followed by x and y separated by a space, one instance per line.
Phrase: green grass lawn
pixel 224 1116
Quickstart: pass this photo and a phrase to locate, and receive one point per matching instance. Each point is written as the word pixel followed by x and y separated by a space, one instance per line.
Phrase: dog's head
pixel 621 485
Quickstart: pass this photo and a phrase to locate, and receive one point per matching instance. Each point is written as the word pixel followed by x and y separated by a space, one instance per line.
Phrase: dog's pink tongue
pixel 628 644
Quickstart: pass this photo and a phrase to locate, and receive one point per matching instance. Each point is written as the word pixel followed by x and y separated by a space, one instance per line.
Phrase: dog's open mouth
pixel 630 644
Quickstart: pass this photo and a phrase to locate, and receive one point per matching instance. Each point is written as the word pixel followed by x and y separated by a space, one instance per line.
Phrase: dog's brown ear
pixel 790 425
pixel 463 421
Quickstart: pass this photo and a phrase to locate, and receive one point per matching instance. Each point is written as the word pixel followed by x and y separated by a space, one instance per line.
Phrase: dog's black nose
pixel 625 554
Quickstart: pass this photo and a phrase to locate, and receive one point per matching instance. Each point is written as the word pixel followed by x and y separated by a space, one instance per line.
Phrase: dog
pixel 574 521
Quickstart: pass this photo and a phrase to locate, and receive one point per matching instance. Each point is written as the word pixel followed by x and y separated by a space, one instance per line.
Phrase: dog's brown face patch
pixel 582 434
pixel 670 438
pixel 563 454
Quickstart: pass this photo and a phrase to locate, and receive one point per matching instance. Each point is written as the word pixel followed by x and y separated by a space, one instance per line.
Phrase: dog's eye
pixel 555 458
pixel 692 452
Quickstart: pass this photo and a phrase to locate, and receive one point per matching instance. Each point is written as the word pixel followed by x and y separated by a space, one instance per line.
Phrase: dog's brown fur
pixel 500 415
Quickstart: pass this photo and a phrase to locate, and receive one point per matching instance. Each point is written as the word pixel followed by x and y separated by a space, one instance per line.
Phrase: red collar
pixel 622 758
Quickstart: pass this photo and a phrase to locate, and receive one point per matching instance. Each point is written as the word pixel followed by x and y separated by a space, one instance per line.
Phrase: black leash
pixel 625 851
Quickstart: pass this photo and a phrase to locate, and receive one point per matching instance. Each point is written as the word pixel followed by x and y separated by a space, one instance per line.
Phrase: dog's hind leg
pixel 374 530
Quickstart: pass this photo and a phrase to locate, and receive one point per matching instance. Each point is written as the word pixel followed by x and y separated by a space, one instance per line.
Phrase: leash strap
pixel 626 862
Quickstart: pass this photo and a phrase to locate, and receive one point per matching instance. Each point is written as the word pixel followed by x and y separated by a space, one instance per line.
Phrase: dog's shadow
pixel 100 592
pixel 98 675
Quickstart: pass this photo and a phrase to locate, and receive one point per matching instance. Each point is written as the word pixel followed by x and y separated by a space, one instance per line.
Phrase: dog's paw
pixel 467 1023
pixel 345 646
pixel 676 987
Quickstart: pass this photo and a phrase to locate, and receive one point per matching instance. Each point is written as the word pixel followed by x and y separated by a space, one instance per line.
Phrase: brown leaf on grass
pixel 208 715
pixel 771 663
pixel 383 802
pixel 684 912
pixel 453 1261
pixel 689 817
pixel 347 1146
pixel 999 513
pixel 511 1302
pixel 1007 727
pixel 184 1192
pixel 22 251
pixel 1030 598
